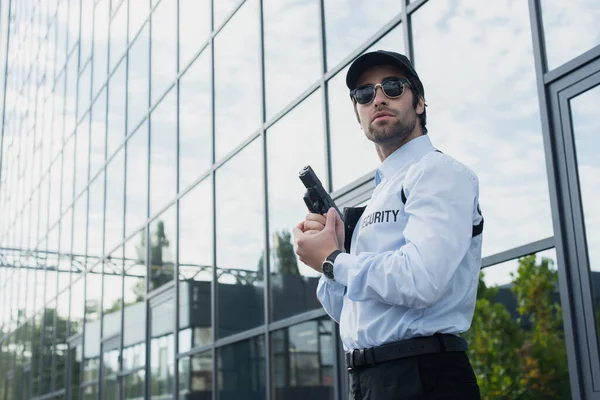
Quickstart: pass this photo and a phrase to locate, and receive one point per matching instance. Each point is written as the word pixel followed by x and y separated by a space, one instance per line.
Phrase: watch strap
pixel 331 258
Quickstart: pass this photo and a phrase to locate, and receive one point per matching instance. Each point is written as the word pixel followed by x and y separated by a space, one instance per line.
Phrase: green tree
pixel 522 358
pixel 284 256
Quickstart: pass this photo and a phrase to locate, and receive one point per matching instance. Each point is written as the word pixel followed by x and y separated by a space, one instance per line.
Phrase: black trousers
pixel 425 377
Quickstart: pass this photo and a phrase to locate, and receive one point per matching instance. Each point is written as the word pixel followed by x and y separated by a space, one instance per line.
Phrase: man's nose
pixel 380 97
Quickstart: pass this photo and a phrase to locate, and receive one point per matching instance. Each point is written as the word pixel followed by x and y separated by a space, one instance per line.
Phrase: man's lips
pixel 380 115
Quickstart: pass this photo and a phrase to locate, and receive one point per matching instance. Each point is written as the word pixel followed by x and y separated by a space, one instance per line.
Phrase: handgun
pixel 316 197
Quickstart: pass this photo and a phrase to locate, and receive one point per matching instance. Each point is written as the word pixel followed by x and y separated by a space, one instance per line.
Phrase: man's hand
pixel 317 237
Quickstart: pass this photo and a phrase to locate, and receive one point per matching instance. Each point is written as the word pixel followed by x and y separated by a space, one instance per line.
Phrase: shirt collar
pixel 412 150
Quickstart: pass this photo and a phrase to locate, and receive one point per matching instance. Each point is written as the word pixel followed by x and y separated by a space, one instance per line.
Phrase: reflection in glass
pixel 237 79
pixel 134 285
pixel 223 8
pixel 136 196
pixel 85 89
pixel 115 198
pixel 164 47
pixel 292 51
pixel 494 131
pixel 111 299
pixel 133 386
pixel 293 284
pixel 68 173
pixel 96 217
pixel 47 341
pixel 138 79
pixel 241 370
pixel 82 155
pixel 162 348
pixel 163 152
pixel 80 225
pixel 570 29
pixel 117 92
pixel 195 120
pixel 519 309
pixel 303 361
pixel 138 13
pixel 195 267
pixel 77 305
pixel 163 246
pixel 586 124
pixel 60 343
pixel 348 141
pixel 349 24
pixel 240 241
pixel 118 33
pixel 75 355
pixel 100 48
pixel 195 376
pixel 98 134
pixel 194 28
pixel 110 388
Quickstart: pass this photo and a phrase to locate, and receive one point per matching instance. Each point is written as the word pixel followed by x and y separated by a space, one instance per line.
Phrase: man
pixel 400 276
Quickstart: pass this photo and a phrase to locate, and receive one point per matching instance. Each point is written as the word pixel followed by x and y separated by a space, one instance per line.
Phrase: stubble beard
pixel 393 133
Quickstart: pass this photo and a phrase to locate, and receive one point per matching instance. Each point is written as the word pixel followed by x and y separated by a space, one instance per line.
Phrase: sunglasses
pixel 392 88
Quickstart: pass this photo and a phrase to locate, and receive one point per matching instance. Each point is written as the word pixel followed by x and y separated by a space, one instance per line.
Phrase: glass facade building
pixel 149 159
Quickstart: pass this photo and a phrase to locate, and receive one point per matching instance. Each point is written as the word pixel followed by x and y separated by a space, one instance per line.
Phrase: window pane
pixel 585 124
pixel 77 306
pixel 96 217
pixel 134 285
pixel 570 29
pixel 136 194
pixel 113 293
pixel 292 51
pixel 349 24
pixel 237 79
pixel 194 28
pixel 116 109
pixel 303 359
pixel 138 79
pixel 162 349
pixel 93 307
pixel 68 173
pixel 110 388
pixel 163 153
pixel 98 134
pixel 133 386
pixel 195 121
pixel 164 47
pixel 82 156
pixel 118 34
pixel 348 142
pixel 115 198
pixel 240 241
pixel 242 370
pixel 494 131
pixel 195 267
pixel 163 245
pixel 75 354
pixel 293 284
pixel 138 13
pixel 101 24
pixel 195 376
pixel 222 9
pixel 519 310
pixel 80 225
pixel 85 89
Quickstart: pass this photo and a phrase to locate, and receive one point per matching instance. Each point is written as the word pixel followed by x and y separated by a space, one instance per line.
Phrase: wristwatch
pixel 328 264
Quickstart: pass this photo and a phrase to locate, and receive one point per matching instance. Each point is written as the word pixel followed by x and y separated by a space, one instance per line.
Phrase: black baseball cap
pixel 383 57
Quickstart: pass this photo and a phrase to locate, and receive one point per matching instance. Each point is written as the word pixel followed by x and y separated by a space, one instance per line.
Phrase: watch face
pixel 328 269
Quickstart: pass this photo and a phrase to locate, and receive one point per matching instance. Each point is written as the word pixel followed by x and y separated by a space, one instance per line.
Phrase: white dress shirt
pixel 413 268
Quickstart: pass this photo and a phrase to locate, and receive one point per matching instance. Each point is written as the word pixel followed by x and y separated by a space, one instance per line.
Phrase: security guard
pixel 400 275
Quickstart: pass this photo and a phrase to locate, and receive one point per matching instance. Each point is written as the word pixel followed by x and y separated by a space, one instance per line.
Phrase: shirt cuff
pixel 341 267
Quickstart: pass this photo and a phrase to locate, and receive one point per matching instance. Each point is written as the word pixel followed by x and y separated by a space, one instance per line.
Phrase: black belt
pixel 438 343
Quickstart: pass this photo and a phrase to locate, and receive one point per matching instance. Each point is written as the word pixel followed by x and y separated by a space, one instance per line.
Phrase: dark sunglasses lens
pixel 364 95
pixel 393 88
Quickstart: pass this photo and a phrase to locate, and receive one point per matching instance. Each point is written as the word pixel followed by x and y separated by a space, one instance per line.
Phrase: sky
pixel 475 60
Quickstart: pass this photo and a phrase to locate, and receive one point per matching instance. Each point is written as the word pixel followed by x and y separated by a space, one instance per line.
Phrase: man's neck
pixel 384 150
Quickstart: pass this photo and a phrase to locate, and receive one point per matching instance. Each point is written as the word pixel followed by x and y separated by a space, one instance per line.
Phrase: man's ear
pixel 420 105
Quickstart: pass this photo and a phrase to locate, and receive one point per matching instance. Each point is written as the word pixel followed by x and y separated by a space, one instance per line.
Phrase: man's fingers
pixel 331 218
pixel 316 218
pixel 313 225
